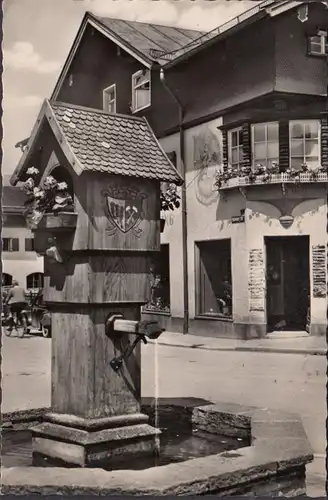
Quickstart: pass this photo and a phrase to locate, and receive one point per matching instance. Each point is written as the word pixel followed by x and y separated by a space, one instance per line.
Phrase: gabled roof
pixel 266 8
pixel 94 140
pixel 145 42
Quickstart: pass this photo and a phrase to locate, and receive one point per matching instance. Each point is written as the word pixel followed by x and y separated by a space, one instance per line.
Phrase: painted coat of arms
pixel 124 209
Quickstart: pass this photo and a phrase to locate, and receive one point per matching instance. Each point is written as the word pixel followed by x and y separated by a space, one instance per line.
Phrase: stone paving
pixel 294 383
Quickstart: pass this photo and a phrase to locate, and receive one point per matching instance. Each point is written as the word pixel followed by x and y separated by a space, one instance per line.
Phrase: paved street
pixel 291 382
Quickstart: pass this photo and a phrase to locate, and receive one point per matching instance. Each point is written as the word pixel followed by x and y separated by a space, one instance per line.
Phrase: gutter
pixel 183 204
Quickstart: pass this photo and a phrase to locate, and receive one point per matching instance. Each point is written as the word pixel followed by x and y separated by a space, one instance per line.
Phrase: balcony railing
pixel 283 178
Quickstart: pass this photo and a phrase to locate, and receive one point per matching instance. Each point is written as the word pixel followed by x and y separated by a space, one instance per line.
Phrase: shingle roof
pixel 106 142
pixel 150 39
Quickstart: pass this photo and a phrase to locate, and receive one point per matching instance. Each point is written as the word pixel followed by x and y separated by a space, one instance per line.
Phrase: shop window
pixel 235 147
pixel 265 144
pixel 34 280
pixel 304 140
pixel 160 282
pixel 29 244
pixel 141 90
pixel 214 287
pixel 10 244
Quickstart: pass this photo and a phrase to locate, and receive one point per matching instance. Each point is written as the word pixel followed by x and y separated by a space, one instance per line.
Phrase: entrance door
pixel 288 282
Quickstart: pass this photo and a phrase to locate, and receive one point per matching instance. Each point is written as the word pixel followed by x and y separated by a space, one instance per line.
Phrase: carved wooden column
pixel 95 412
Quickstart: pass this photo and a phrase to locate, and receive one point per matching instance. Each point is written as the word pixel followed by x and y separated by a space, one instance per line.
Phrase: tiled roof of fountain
pixel 106 142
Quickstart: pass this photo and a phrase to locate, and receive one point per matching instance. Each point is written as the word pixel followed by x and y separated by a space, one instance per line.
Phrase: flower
pixel 62 186
pixel 32 171
pixel 49 182
pixel 38 193
pixel 29 184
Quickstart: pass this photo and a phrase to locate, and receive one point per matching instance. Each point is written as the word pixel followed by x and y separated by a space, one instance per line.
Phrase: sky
pixel 38 35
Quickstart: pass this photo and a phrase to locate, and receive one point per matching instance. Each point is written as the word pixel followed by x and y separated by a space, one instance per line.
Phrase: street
pixel 291 382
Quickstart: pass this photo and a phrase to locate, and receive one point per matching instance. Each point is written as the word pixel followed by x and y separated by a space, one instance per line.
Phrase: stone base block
pixel 95 446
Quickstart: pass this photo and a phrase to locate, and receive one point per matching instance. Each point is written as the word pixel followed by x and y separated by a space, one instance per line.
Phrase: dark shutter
pixel 324 141
pixel 225 148
pixel 247 157
pixel 15 244
pixel 283 145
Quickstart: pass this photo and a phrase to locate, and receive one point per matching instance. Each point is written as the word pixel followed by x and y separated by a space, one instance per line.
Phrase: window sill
pixel 157 313
pixel 140 109
pixel 218 317
pixel 303 178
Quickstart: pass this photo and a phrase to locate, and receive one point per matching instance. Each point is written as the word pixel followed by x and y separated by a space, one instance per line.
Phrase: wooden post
pixel 95 412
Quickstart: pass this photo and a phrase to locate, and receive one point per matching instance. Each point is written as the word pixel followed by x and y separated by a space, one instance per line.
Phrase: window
pixel 304 138
pixel 235 147
pixel 34 280
pixel 10 244
pixel 29 244
pixel 140 90
pixel 214 284
pixel 318 44
pixel 109 99
pixel 265 143
pixel 7 279
pixel 160 282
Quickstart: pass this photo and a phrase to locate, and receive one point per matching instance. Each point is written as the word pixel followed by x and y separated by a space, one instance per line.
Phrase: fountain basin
pixel 274 463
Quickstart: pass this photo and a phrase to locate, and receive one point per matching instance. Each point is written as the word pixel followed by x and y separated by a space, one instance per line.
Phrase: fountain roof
pixel 94 140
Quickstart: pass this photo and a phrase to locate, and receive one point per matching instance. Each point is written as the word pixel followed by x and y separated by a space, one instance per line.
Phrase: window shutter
pixel 15 244
pixel 324 141
pixel 283 145
pixel 225 148
pixel 246 144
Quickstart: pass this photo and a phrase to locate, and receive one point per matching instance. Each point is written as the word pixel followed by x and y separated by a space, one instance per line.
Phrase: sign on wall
pixel 256 279
pixel 319 271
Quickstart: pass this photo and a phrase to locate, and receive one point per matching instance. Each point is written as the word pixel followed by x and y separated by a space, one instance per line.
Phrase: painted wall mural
pixel 207 154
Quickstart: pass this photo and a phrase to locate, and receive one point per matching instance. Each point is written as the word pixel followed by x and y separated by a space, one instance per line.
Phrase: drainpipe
pixel 183 205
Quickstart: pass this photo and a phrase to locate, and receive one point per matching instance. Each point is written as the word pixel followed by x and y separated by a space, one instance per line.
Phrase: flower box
pixel 59 222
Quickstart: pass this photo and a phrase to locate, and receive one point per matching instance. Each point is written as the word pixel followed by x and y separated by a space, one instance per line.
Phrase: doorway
pixel 287 283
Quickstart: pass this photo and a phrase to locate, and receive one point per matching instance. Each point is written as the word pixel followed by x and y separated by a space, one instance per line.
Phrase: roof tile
pixel 114 143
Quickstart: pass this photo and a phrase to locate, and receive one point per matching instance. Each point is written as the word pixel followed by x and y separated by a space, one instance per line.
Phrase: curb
pixel 283 350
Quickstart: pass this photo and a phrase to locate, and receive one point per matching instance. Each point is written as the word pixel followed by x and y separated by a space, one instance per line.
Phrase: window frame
pixel 32 276
pixel 253 125
pixel 134 88
pixel 107 101
pixel 229 138
pixel 10 244
pixel 303 139
pixel 323 44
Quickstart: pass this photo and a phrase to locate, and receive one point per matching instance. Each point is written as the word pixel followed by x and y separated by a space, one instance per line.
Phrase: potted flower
pixel 50 205
pixel 170 199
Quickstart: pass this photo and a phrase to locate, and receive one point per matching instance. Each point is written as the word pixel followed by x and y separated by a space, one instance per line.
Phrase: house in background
pixel 248 256
pixel 19 260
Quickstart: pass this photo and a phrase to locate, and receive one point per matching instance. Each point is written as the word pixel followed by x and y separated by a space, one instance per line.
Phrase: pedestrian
pixel 16 300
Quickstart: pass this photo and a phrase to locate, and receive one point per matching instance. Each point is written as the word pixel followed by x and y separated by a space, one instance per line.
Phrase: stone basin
pixel 274 464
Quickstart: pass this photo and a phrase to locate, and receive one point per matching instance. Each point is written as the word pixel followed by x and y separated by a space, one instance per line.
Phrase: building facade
pixel 242 111
pixel 19 259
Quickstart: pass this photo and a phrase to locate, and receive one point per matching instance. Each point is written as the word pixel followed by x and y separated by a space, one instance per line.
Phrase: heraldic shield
pixel 124 208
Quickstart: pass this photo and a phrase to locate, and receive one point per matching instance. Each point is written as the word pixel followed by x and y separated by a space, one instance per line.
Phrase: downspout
pixel 183 205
